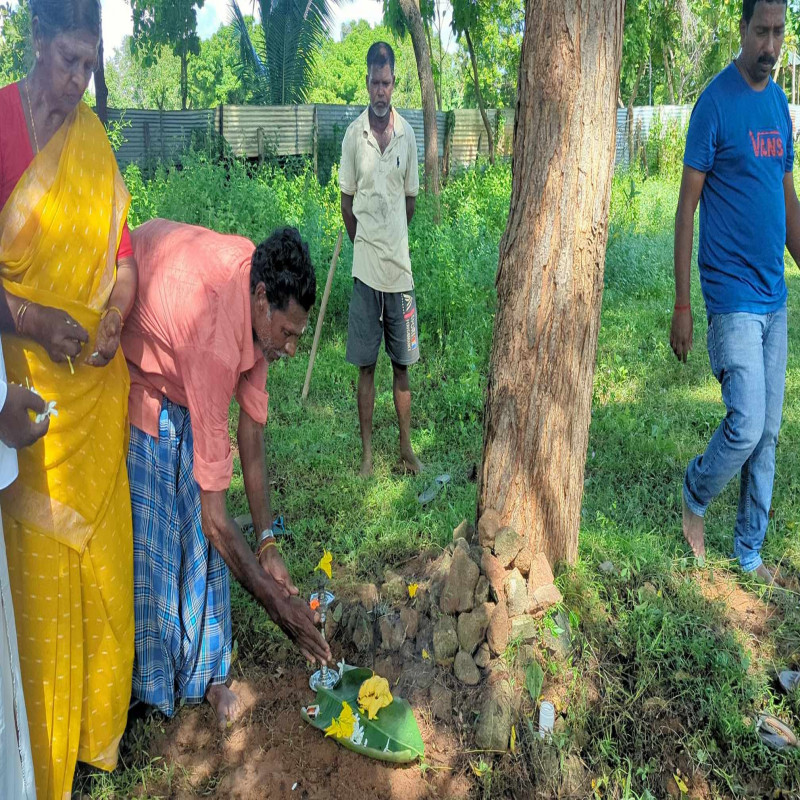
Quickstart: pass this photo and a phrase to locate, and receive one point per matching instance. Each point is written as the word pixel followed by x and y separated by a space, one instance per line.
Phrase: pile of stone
pixel 483 591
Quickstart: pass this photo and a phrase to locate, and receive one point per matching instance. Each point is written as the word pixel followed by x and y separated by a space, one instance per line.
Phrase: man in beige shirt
pixel 379 181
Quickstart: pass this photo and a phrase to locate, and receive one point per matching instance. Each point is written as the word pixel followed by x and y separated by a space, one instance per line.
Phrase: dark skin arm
pixel 350 221
pixel 123 296
pixel 291 614
pixel 792 218
pixel 681 330
pixel 250 438
pixel 411 205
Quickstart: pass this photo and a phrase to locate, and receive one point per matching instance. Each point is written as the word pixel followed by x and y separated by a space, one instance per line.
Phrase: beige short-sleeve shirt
pixel 379 183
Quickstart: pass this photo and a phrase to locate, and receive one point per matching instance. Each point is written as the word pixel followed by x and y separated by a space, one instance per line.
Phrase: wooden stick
pixel 321 317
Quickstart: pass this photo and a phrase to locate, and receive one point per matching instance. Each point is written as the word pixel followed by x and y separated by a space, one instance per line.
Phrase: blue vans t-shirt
pixel 742 140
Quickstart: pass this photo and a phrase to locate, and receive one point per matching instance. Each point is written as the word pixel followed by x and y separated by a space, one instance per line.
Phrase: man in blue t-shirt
pixel 738 165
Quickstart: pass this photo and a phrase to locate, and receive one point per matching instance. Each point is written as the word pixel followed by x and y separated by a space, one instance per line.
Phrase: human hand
pixel 680 335
pixel 56 331
pixel 17 429
pixel 298 622
pixel 107 341
pixel 273 564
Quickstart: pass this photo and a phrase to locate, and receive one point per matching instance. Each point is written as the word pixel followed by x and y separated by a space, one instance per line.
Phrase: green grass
pixel 650 649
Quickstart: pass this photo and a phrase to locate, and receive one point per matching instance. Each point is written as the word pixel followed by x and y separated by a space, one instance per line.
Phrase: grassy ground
pixel 670 665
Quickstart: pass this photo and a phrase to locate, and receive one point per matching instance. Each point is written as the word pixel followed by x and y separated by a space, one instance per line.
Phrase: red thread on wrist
pixel 683 308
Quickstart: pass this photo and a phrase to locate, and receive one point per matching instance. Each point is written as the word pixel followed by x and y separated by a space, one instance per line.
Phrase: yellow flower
pixel 412 590
pixel 425 654
pixel 325 563
pixel 374 695
pixel 513 739
pixel 342 728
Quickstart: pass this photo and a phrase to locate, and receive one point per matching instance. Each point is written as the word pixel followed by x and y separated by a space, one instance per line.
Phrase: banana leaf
pixel 392 736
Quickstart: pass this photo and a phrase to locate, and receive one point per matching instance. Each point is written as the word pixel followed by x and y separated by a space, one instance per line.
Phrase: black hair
pixel 63 16
pixel 283 264
pixel 379 55
pixel 749 6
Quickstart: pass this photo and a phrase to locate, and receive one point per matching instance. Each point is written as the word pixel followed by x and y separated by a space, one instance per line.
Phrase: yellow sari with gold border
pixel 67 518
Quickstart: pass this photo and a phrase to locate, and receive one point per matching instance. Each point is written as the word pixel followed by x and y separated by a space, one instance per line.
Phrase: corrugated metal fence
pixel 317 130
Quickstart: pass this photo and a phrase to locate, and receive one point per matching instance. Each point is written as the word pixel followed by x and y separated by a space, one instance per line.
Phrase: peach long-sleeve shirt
pixel 189 338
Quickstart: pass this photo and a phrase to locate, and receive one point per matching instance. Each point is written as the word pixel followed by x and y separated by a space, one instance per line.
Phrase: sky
pixel 117 17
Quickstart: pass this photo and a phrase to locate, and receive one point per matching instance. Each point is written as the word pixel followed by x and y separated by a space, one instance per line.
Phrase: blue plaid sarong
pixel 181 590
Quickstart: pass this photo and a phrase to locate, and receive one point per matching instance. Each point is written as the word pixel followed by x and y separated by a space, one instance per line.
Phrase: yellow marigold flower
pixel 374 695
pixel 325 563
pixel 342 728
pixel 425 654
pixel 412 590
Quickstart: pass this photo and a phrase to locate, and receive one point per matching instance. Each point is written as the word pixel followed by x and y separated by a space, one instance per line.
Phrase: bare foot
pixel 409 462
pixel 694 531
pixel 366 466
pixel 763 574
pixel 225 704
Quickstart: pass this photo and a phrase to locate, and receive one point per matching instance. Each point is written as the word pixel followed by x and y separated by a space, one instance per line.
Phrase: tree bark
pixel 416 28
pixel 184 78
pixel 479 96
pixel 100 87
pixel 550 273
pixel 668 73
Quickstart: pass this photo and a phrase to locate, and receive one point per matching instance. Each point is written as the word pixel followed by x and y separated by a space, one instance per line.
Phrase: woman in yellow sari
pixel 68 271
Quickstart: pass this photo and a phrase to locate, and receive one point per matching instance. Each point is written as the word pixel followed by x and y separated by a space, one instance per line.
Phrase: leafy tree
pixel 170 23
pixel 498 39
pixel 136 82
pixel 340 68
pixel 15 43
pixel 465 19
pixel 279 72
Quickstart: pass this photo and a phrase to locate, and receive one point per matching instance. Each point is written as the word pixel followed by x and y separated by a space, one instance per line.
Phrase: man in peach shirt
pixel 212 311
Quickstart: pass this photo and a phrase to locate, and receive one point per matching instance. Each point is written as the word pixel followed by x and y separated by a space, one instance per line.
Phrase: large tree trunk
pixel 184 78
pixel 416 28
pixel 100 88
pixel 479 96
pixel 550 275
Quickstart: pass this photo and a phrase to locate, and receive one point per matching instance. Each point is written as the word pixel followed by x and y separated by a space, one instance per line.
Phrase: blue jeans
pixel 748 358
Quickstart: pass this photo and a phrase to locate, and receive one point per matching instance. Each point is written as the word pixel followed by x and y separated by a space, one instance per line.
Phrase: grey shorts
pixel 375 315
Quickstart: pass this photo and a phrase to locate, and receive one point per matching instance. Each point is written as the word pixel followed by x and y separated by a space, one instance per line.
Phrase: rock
pixel 649 588
pixel 445 640
pixel 494 724
pixel 387 667
pixel 407 652
pixel 560 644
pixel 543 598
pixel 495 574
pixel 422 600
pixel 438 571
pixel 540 573
pixel 524 627
pixel 410 620
pixel 497 632
pixel 575 780
pixel 465 669
pixel 482 590
pixel 367 595
pixel 516 591
pixel 331 626
pixel 337 613
pixel 507 544
pixel 523 561
pixel 462 543
pixel 472 627
pixel 423 674
pixel 483 656
pixel 393 632
pixel 441 702
pixel 525 654
pixel 607 568
pixel 488 525
pixel 458 593
pixel 465 530
pixel 394 588
pixel 361 634
pixel 424 637
pixel 496 671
